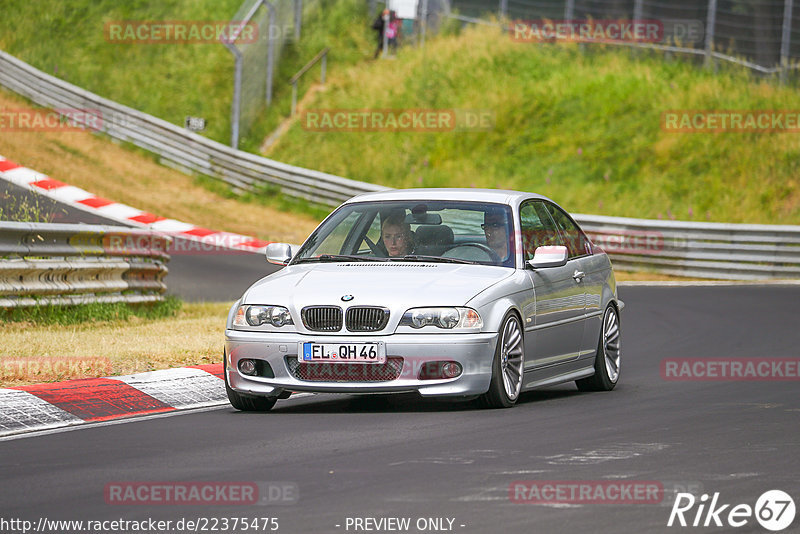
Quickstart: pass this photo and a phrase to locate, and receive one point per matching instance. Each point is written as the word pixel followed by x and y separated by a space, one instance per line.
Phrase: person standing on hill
pixel 378 25
pixel 393 30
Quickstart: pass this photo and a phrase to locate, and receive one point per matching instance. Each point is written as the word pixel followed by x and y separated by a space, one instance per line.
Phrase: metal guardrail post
pixel 711 21
pixel 424 23
pixel 503 9
pixel 237 94
pixel 569 10
pixel 298 18
pixel 637 10
pixel 786 38
pixel 271 51
pixel 230 43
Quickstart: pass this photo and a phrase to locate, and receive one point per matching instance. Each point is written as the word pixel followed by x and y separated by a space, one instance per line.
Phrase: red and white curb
pixel 74 402
pixel 83 200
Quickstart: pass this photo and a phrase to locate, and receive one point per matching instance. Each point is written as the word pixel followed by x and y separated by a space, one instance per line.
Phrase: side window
pixel 576 241
pixel 537 228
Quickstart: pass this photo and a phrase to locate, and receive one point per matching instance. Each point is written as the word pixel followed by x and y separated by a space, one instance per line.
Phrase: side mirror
pixel 550 256
pixel 279 253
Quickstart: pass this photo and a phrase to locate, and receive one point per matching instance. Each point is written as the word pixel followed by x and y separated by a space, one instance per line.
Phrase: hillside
pixel 583 127
pixel 579 124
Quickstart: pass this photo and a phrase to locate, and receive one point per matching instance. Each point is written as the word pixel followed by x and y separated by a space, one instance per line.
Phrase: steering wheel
pixel 493 256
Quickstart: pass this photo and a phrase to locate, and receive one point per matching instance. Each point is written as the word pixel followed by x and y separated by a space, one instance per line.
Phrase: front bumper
pixel 474 352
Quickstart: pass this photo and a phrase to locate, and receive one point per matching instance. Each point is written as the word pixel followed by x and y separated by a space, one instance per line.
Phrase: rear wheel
pixel 245 403
pixel 507 366
pixel 606 363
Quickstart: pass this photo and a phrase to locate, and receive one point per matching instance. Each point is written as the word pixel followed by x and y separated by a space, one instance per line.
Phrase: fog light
pixel 438 370
pixel 247 367
pixel 451 369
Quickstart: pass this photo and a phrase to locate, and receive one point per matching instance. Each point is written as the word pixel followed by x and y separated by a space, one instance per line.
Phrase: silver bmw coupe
pixel 445 292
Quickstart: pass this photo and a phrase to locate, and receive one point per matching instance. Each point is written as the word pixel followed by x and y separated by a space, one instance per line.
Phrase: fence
pixel 255 61
pixel 42 263
pixel 763 35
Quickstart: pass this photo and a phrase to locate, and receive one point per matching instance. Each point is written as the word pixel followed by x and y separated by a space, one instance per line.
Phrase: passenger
pixel 495 227
pixel 396 235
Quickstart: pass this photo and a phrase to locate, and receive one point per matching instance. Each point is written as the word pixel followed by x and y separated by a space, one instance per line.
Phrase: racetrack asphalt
pixel 379 456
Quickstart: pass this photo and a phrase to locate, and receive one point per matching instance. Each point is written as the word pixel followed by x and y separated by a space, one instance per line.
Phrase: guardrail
pixel 695 249
pixel 176 146
pixel 43 263
pixel 703 250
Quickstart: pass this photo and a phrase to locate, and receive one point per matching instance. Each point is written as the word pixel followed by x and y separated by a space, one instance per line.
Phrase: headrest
pixel 439 234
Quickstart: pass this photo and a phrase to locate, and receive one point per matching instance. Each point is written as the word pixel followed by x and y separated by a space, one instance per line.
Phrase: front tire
pixel 245 403
pixel 606 363
pixel 507 366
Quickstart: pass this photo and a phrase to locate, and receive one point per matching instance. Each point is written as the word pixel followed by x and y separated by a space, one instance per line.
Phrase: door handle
pixel 578 275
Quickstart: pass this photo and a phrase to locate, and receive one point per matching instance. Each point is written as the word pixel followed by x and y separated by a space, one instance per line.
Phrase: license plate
pixel 342 352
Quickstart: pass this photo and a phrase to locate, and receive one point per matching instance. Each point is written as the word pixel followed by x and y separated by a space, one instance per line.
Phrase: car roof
pixel 500 196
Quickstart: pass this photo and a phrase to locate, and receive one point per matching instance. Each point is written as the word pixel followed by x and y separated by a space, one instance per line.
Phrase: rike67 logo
pixel 774 510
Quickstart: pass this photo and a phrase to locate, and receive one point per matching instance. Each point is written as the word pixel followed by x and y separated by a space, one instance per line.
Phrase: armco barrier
pixel 179 147
pixel 703 250
pixel 42 263
pixel 695 249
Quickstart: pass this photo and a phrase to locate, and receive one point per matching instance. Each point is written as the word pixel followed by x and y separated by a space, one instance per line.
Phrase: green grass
pixel 170 81
pixel 91 312
pixel 33 207
pixel 578 124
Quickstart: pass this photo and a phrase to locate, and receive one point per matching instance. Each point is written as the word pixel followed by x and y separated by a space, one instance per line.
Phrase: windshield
pixel 439 231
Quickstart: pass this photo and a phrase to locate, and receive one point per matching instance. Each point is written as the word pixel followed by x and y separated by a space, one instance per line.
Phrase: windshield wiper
pixel 436 259
pixel 338 257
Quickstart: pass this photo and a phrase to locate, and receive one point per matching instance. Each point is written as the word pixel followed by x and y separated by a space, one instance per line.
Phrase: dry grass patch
pixel 34 353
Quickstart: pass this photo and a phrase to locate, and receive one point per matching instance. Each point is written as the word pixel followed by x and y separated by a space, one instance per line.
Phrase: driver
pixel 396 235
pixel 496 231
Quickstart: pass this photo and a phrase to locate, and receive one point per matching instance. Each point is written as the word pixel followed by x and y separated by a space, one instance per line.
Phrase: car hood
pixel 389 284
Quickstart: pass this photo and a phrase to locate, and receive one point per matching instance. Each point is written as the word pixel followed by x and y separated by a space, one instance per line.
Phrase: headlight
pixel 259 315
pixel 447 318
